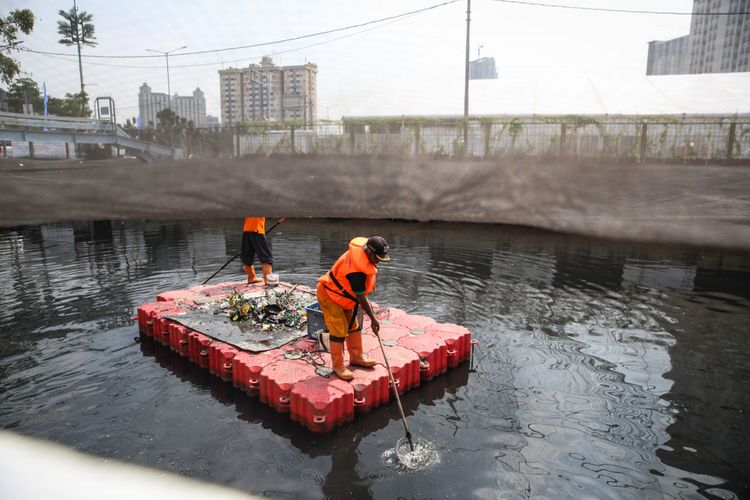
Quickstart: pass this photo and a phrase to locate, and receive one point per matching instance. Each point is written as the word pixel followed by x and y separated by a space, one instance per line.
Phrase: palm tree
pixel 77 29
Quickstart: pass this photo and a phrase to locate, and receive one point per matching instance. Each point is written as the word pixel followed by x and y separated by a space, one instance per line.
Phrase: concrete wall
pixel 693 204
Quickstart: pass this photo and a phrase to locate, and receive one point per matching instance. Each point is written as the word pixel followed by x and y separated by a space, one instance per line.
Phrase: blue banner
pixel 44 91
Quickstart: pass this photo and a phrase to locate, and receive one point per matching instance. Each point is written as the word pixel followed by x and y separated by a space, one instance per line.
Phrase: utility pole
pixel 466 80
pixel 79 30
pixel 79 33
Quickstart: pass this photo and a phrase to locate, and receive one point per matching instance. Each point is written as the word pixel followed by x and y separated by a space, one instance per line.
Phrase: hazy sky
pixel 397 61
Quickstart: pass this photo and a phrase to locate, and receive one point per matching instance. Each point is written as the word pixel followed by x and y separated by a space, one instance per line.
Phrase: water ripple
pixel 603 369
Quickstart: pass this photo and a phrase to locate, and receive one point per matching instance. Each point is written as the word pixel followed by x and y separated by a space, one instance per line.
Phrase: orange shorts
pixel 336 317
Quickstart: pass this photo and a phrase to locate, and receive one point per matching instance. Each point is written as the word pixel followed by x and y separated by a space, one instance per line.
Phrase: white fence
pixel 655 137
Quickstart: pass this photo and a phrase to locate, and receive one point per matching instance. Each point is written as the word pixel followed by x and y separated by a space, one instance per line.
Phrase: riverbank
pixel 705 205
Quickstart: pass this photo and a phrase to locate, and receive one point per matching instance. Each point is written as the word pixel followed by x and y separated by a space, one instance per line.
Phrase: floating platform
pixel 290 378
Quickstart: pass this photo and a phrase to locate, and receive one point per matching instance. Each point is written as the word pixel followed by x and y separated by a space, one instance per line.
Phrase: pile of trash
pixel 270 311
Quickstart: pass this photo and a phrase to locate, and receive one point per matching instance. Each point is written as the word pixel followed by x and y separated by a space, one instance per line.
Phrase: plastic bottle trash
pixel 272 279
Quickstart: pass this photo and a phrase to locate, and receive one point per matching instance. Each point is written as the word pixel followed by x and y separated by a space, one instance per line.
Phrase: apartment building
pixel 267 92
pixel 192 108
pixel 717 43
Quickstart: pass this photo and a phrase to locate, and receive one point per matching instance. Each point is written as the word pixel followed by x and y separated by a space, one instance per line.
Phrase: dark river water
pixel 604 370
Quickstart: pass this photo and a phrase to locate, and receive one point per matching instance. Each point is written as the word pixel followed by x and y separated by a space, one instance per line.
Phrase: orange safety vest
pixel 353 260
pixel 255 225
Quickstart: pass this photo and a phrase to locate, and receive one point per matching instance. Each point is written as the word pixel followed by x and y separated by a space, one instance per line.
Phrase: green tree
pixel 24 91
pixel 147 134
pixel 70 105
pixel 18 20
pixel 77 28
pixel 129 127
pixel 169 127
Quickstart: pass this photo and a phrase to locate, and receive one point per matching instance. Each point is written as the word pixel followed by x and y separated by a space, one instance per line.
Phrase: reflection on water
pixel 605 369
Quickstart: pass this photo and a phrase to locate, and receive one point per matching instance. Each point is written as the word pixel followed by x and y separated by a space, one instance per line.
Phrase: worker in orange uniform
pixel 254 242
pixel 341 291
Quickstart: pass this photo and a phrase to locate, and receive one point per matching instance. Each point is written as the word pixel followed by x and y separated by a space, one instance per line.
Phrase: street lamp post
pixel 166 57
pixel 466 80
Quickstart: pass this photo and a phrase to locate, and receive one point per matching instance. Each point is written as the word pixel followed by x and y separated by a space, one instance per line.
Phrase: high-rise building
pixel 482 69
pixel 192 108
pixel 669 57
pixel 149 104
pixel 717 43
pixel 266 91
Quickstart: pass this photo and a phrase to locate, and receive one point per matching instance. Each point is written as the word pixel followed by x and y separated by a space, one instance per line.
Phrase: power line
pixel 624 11
pixel 64 58
pixel 293 49
pixel 262 44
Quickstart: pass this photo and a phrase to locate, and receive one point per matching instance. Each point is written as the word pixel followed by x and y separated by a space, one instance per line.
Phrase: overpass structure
pixel 32 129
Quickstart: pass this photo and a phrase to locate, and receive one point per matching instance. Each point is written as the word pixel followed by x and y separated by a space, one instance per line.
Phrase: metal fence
pixel 627 137
pixel 34 136
pixel 617 137
pixel 322 138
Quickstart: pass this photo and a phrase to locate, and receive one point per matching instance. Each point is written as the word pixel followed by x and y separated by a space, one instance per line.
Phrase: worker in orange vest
pixel 254 242
pixel 341 291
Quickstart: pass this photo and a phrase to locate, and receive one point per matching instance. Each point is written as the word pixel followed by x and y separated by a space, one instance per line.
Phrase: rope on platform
pixel 313 358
